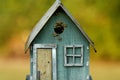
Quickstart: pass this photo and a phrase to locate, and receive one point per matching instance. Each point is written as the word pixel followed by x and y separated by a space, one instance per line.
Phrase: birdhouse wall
pixel 70 36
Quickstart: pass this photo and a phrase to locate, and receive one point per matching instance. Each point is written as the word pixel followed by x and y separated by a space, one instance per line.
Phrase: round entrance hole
pixel 59 29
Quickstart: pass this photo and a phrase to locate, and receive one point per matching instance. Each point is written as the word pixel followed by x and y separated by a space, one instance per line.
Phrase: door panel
pixel 45 63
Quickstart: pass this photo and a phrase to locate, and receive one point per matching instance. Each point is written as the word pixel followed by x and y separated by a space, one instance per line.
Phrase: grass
pixel 17 70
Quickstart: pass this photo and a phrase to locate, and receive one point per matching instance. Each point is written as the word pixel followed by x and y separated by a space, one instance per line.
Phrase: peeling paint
pixel 87 63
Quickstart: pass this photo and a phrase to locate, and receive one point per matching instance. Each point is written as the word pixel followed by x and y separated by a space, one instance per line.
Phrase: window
pixel 73 55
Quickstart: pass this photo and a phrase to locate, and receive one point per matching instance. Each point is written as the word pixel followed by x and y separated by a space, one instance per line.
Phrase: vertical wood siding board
pixel 88 58
pixel 60 62
pixel 31 61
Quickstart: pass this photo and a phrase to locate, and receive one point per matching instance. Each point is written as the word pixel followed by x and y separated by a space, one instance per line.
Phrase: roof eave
pixel 41 23
pixel 44 20
pixel 80 28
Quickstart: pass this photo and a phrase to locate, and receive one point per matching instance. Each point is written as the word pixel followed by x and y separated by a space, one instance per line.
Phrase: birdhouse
pixel 59 48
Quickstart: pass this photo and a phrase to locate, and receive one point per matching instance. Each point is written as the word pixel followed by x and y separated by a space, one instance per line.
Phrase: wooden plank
pixel 45 63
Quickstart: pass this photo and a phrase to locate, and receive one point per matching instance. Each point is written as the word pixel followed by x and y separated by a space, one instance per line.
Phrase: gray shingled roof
pixel 46 17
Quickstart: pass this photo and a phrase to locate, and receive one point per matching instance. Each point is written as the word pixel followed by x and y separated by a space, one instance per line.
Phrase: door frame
pixel 35 59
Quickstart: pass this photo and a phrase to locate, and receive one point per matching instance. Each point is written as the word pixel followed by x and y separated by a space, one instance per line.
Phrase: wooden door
pixel 45 63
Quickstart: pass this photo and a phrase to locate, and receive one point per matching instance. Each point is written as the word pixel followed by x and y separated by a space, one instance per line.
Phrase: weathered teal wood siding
pixel 31 62
pixel 70 36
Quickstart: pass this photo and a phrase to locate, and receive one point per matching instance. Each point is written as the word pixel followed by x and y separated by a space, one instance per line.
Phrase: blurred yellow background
pixel 99 18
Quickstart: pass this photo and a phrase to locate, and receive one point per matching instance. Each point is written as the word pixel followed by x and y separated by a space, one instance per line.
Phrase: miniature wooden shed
pixel 59 48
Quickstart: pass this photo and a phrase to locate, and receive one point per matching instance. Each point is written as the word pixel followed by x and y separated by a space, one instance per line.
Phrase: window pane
pixel 78 50
pixel 69 50
pixel 69 60
pixel 77 60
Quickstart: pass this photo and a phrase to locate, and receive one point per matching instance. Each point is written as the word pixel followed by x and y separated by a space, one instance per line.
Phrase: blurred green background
pixel 100 19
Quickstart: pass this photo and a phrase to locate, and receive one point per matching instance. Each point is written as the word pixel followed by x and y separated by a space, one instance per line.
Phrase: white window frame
pixel 73 55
